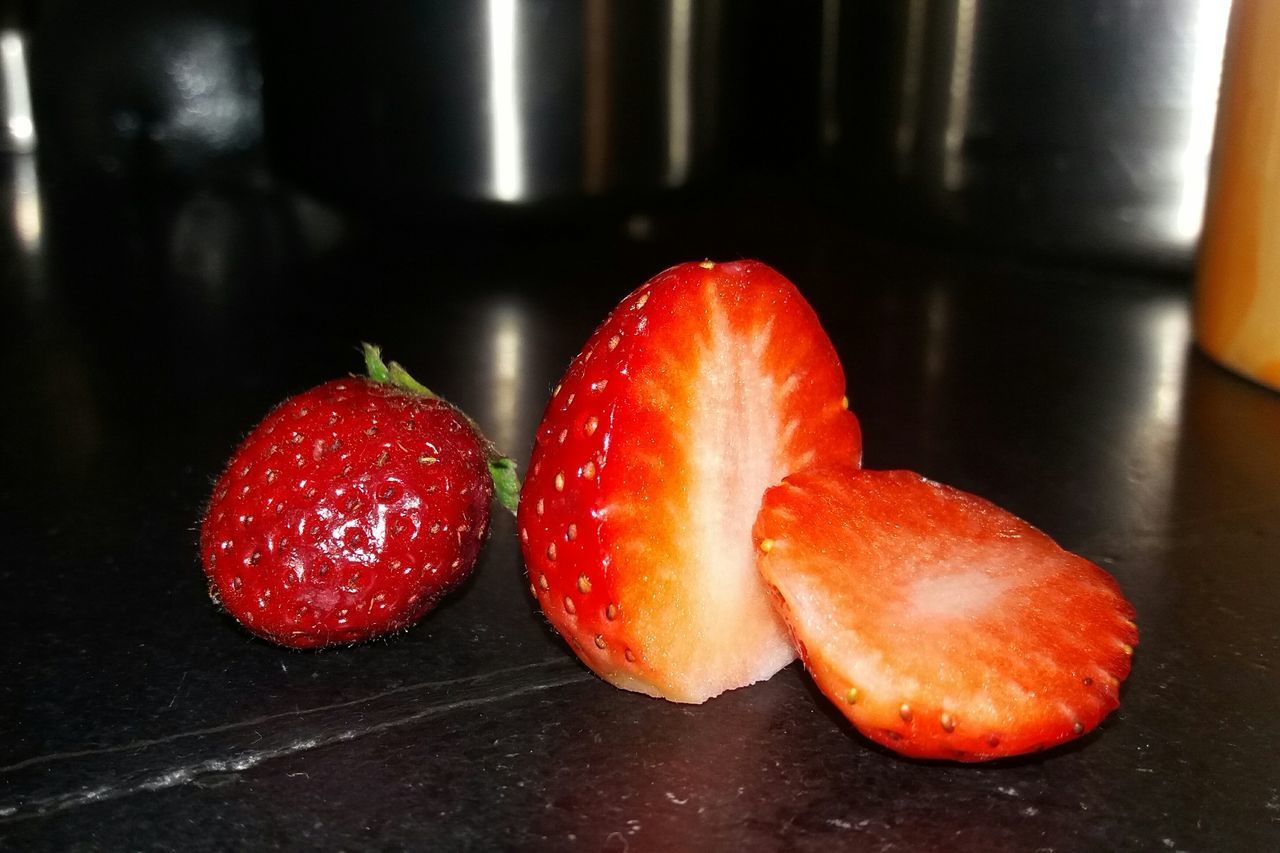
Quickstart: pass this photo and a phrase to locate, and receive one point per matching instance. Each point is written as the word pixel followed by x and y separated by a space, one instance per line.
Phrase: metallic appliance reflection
pixel 506 128
pixel 1082 127
pixel 506 101
pixel 148 87
pixel 507 322
pixel 19 133
pixel 27 208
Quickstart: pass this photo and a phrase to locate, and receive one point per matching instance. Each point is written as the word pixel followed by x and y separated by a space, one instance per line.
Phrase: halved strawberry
pixel 939 624
pixel 706 385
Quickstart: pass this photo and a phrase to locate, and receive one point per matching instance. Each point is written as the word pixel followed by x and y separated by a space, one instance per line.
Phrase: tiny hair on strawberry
pixel 351 510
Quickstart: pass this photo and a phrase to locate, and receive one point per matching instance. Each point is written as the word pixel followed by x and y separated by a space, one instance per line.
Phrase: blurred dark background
pixel 1079 133
pixel 193 182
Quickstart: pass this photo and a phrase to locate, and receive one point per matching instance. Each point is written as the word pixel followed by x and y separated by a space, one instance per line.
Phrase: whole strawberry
pixel 351 510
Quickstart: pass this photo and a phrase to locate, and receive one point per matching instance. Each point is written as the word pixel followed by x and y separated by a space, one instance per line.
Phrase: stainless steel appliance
pixel 1074 126
pixel 507 101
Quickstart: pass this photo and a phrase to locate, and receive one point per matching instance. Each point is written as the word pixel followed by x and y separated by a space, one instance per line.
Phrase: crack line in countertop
pixel 226 727
pixel 47 806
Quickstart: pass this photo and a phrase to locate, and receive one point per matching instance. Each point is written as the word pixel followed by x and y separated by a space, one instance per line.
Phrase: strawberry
pixel 941 625
pixel 702 388
pixel 350 510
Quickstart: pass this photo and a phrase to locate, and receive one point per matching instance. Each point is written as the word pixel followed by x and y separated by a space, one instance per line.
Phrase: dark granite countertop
pixel 143 334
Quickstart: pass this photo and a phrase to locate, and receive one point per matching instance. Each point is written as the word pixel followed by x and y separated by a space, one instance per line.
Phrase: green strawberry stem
pixel 506 482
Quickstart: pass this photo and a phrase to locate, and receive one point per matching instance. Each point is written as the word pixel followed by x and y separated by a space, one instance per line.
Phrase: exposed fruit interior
pixel 941 625
pixel 724 446
pixel 710 392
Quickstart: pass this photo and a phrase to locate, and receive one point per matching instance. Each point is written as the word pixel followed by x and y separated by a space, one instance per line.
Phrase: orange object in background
pixel 1238 292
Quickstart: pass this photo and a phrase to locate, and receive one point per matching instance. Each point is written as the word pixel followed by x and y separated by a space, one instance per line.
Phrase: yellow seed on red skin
pixel 948 722
pixel 589 470
pixel 564 433
pixel 572 533
pixel 599 641
pixel 540 507
pixel 584 584
pixel 644 297
pixel 542 582
pixel 614 341
pixel 905 712
pixel 707 265
pixel 851 696
pixel 569 606
pixel 766 545
pixel 629 655
pixel 551 551
pixel 611 612
pixel 590 426
pixel 559 481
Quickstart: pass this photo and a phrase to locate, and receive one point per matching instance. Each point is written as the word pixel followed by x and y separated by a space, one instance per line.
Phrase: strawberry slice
pixel 939 624
pixel 705 386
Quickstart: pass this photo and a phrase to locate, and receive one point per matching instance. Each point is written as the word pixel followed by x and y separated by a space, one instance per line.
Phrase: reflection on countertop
pixel 145 330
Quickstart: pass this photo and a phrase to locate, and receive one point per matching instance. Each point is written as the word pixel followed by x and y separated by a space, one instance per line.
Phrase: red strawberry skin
pixel 941 625
pixel 346 514
pixel 703 387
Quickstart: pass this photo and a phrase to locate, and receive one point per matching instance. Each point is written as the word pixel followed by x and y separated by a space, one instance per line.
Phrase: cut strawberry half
pixel 705 386
pixel 939 624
